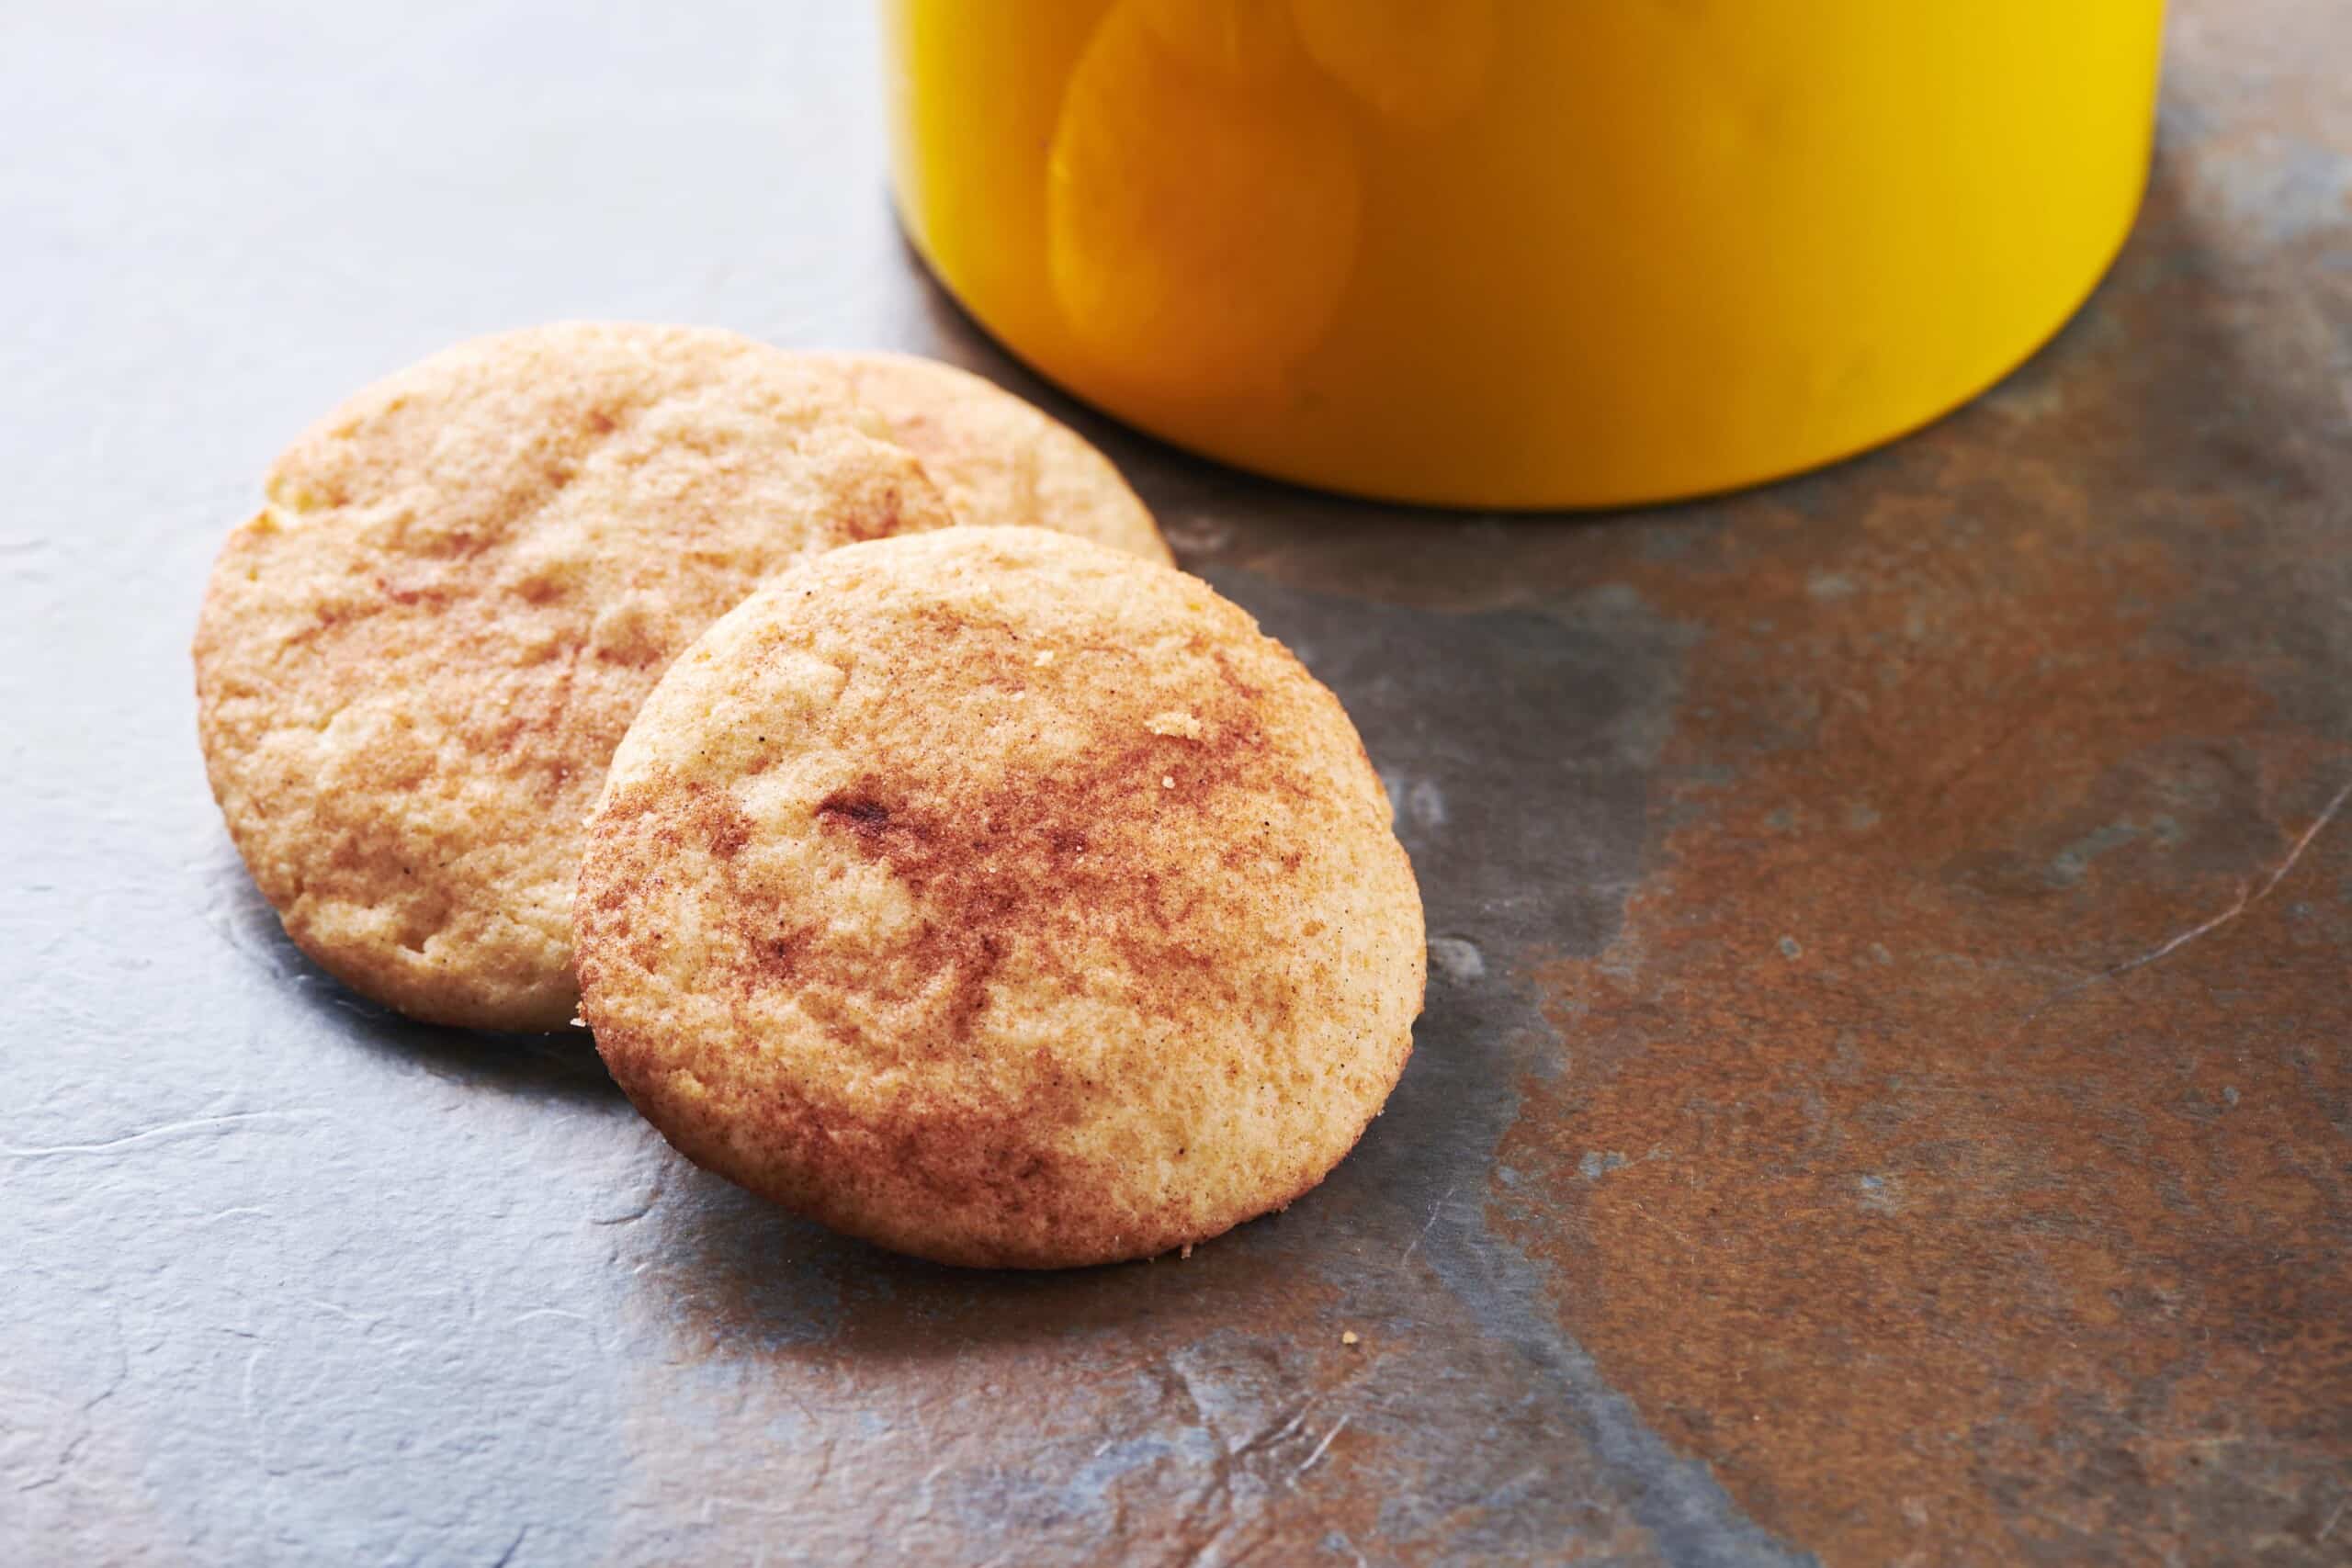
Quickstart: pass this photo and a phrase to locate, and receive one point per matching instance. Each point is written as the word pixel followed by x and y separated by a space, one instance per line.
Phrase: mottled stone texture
pixel 1886 1093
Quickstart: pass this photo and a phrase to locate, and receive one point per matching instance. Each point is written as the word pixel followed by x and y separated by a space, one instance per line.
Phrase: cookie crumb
pixel 579 1022
pixel 1168 780
pixel 1347 1337
pixel 1175 723
pixel 1187 1252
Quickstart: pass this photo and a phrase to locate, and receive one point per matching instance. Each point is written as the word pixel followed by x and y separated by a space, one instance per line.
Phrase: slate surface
pixel 1886 1091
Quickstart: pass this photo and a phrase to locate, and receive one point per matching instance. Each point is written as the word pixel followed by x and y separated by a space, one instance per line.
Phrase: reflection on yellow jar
pixel 1233 40
pixel 1521 253
pixel 1417 63
pixel 1196 149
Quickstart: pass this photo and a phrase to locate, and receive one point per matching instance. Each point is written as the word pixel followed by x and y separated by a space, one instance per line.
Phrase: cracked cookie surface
pixel 413 663
pixel 1003 900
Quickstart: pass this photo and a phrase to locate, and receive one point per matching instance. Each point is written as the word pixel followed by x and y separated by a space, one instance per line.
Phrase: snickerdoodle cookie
pixel 1001 898
pixel 997 458
pixel 413 663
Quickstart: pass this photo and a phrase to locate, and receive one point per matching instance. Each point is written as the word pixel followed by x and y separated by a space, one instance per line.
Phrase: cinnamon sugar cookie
pixel 415 662
pixel 1001 898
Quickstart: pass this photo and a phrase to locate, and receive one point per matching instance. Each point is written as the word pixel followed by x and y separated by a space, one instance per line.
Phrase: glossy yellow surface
pixel 1521 253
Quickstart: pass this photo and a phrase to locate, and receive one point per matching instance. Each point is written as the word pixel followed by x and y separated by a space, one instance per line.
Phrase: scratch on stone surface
pixel 251 1409
pixel 1435 1209
pixel 2322 820
pixel 1337 1427
pixel 711 1505
pixel 164 1133
pixel 63 1466
pixel 513 1547
pixel 1275 1434
pixel 2248 895
pixel 536 1313
pixel 74 1445
pixel 1663 1226
pixel 342 1312
pixel 1214 1503
pixel 633 1215
pixel 2329 1528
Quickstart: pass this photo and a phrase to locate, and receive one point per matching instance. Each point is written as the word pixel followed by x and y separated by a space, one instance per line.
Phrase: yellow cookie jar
pixel 1521 253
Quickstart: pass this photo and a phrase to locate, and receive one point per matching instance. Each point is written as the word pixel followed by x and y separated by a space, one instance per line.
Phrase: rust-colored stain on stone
pixel 1954 1147
pixel 1996 1167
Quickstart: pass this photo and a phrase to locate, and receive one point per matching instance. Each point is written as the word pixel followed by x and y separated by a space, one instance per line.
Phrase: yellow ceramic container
pixel 1521 253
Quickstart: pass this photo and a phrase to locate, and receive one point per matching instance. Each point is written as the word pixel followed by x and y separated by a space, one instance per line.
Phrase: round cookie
pixel 1003 900
pixel 999 459
pixel 415 662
